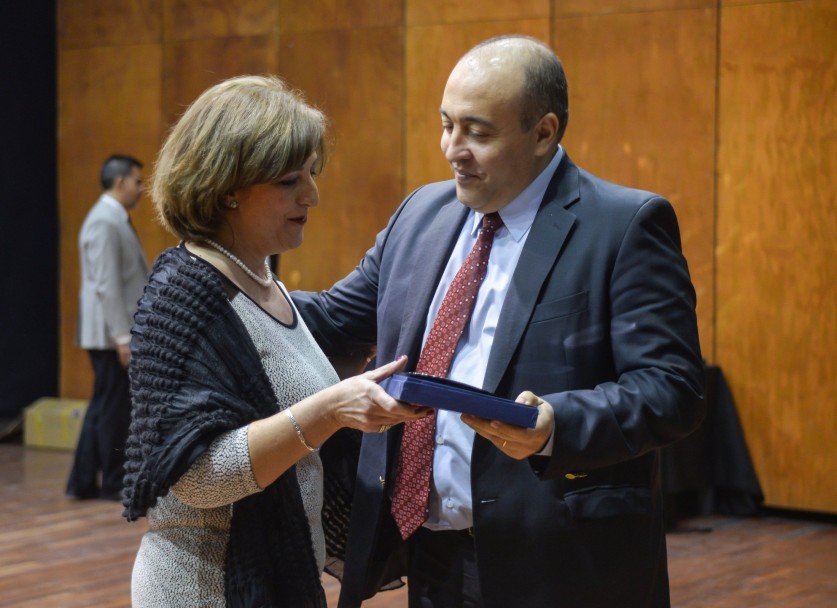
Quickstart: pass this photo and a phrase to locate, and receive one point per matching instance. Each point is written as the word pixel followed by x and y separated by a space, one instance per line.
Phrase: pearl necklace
pixel 263 281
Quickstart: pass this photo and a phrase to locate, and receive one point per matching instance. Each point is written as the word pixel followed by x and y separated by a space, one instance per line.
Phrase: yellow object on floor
pixel 51 422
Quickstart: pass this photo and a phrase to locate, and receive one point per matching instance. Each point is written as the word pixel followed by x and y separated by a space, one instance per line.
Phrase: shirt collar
pixel 519 214
pixel 112 202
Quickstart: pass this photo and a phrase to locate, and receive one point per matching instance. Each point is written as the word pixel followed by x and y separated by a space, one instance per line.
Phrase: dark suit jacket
pixel 600 322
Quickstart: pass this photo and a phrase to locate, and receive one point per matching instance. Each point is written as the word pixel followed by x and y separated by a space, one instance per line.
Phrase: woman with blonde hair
pixel 231 395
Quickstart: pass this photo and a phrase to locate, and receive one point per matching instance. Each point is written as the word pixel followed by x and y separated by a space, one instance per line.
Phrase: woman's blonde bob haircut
pixel 243 131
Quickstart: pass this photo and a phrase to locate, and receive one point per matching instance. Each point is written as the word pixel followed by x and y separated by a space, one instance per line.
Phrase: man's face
pixel 129 188
pixel 492 159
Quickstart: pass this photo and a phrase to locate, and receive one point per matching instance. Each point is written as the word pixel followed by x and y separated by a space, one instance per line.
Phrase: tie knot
pixel 491 222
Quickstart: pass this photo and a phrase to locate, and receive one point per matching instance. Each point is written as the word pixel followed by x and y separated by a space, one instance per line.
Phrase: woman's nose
pixel 310 194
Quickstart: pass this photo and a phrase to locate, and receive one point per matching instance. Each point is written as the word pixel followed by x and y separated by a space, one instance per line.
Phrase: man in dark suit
pixel 113 274
pixel 586 311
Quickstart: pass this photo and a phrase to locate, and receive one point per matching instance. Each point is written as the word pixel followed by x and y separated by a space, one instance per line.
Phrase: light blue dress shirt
pixel 450 490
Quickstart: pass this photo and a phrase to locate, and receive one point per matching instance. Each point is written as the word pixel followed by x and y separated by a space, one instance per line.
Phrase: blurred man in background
pixel 113 274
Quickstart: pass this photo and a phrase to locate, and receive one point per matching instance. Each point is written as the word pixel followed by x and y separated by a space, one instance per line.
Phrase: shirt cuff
pixel 547 449
pixel 122 340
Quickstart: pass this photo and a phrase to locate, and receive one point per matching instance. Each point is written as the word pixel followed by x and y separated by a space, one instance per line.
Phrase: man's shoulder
pixel 101 214
pixel 612 191
pixel 599 199
pixel 607 208
pixel 425 202
pixel 435 192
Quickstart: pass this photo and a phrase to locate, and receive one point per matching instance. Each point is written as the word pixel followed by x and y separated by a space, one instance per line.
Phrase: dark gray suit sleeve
pixel 344 318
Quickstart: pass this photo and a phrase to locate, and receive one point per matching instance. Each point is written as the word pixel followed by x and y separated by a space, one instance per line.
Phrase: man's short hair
pixel 117 165
pixel 545 86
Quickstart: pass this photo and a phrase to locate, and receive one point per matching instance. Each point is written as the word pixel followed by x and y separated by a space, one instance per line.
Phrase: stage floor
pixel 56 552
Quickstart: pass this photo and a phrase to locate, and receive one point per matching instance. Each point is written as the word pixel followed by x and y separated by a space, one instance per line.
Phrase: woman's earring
pixel 233 204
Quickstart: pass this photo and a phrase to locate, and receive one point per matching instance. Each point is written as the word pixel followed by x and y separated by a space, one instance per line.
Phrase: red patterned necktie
pixel 412 478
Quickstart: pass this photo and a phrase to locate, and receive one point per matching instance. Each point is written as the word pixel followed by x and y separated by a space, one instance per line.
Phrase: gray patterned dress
pixel 181 558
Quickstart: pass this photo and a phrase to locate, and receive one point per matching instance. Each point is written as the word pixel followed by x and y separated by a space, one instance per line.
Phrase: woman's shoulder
pixel 179 267
pixel 182 289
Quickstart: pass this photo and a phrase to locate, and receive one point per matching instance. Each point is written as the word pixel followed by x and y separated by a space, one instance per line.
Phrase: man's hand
pixel 123 351
pixel 516 441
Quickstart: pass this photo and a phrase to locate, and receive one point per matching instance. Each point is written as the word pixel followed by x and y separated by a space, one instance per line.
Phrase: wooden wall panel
pixel 354 76
pixel 110 103
pixel 190 67
pixel 644 111
pixel 498 12
pixel 575 8
pixel 728 3
pixel 642 114
pixel 96 23
pixel 777 221
pixel 324 15
pixel 188 19
pixel 431 53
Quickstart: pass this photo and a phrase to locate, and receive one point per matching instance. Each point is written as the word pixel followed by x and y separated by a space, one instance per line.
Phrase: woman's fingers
pixel 385 371
pixel 367 407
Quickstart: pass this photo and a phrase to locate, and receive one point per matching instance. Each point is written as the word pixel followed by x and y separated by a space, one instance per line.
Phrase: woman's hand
pixel 357 403
pixel 360 403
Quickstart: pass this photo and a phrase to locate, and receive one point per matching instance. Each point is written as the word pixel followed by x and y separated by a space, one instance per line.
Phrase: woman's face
pixel 272 215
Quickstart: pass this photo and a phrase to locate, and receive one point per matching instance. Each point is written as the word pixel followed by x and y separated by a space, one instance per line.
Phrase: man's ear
pixel 547 133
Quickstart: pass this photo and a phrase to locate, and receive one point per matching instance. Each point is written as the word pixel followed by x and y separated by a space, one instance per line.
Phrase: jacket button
pixel 575 475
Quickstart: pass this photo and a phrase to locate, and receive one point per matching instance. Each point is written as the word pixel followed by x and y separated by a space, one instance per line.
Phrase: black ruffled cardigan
pixel 195 373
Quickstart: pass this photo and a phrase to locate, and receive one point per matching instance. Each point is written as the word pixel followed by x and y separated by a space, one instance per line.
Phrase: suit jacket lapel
pixel 435 247
pixel 546 239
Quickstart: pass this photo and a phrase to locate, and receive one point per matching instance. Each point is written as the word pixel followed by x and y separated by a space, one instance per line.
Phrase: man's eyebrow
pixel 469 119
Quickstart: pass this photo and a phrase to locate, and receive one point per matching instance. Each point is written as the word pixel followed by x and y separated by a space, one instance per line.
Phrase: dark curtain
pixel 29 224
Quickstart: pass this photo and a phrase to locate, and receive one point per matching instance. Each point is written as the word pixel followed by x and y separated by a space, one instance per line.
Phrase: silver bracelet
pixel 299 431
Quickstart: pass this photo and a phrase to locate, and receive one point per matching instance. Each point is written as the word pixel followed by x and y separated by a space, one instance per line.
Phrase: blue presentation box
pixel 448 394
